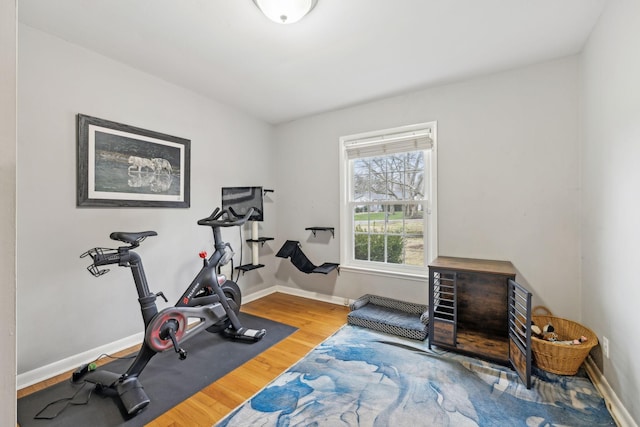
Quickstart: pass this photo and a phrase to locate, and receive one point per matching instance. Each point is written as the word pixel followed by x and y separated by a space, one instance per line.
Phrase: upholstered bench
pixel 391 316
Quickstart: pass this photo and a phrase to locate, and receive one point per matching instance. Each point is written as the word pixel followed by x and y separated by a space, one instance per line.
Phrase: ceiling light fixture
pixel 285 11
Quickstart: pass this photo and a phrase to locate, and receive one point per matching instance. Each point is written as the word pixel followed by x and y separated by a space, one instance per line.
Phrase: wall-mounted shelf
pixel 316 229
pixel 260 240
pixel 249 267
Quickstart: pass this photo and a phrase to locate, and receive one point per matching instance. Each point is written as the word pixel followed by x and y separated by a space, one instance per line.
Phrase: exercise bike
pixel 210 299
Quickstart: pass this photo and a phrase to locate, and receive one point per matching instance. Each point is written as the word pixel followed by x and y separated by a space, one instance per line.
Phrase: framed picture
pixel 125 166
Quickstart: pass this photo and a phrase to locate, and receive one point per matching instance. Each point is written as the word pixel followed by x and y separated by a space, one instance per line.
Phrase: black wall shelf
pixel 249 267
pixel 316 229
pixel 260 240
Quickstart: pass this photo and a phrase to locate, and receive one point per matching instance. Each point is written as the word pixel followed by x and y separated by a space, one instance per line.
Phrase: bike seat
pixel 131 238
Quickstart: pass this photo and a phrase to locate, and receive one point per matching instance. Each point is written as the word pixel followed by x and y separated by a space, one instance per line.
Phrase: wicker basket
pixel 558 358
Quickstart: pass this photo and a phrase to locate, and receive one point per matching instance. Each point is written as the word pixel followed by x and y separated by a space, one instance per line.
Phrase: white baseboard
pixel 312 295
pixel 615 406
pixel 70 363
pixel 260 294
pixel 61 366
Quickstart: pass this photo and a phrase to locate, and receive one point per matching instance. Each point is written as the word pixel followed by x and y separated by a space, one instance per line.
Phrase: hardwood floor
pixel 315 321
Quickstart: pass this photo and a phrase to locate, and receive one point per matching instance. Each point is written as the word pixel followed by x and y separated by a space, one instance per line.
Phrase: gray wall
pixel 8 212
pixel 610 193
pixel 514 161
pixel 508 180
pixel 62 310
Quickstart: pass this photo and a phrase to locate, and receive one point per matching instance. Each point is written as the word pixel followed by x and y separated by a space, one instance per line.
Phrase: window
pixel 387 217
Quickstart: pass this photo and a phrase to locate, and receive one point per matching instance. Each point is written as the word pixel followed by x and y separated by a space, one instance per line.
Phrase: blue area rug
pixel 360 377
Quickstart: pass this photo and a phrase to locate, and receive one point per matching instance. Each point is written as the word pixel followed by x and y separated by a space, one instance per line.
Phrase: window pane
pixel 378 177
pixel 414 251
pixel 361 247
pixel 361 232
pixel 361 219
pixel 395 249
pixel 377 247
pixel 414 175
pixel 395 219
pixel 396 186
pixel 415 160
pixel 415 211
pixel 376 219
pixel 361 180
pixel 414 230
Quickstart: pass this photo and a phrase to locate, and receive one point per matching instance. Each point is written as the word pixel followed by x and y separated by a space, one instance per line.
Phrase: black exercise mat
pixel 166 380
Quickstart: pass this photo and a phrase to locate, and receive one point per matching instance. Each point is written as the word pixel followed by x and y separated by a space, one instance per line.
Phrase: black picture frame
pixel 125 166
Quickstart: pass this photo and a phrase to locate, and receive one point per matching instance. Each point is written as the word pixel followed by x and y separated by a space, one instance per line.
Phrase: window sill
pixel 418 276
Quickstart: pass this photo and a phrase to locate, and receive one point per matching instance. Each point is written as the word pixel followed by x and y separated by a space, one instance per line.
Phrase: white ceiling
pixel 344 53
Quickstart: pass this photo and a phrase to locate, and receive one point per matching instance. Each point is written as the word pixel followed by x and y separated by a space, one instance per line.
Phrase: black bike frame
pixel 206 278
pixel 209 297
pixel 206 275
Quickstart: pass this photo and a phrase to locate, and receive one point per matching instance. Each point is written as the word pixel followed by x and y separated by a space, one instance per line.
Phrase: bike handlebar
pixel 231 218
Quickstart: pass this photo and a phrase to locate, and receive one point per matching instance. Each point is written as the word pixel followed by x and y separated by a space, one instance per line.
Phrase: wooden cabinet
pixel 476 307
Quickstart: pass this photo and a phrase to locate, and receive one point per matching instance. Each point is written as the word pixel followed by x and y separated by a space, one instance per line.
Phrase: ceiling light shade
pixel 285 11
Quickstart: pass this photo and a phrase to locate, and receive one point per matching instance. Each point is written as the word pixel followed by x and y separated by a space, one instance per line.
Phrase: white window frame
pixel 367 144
